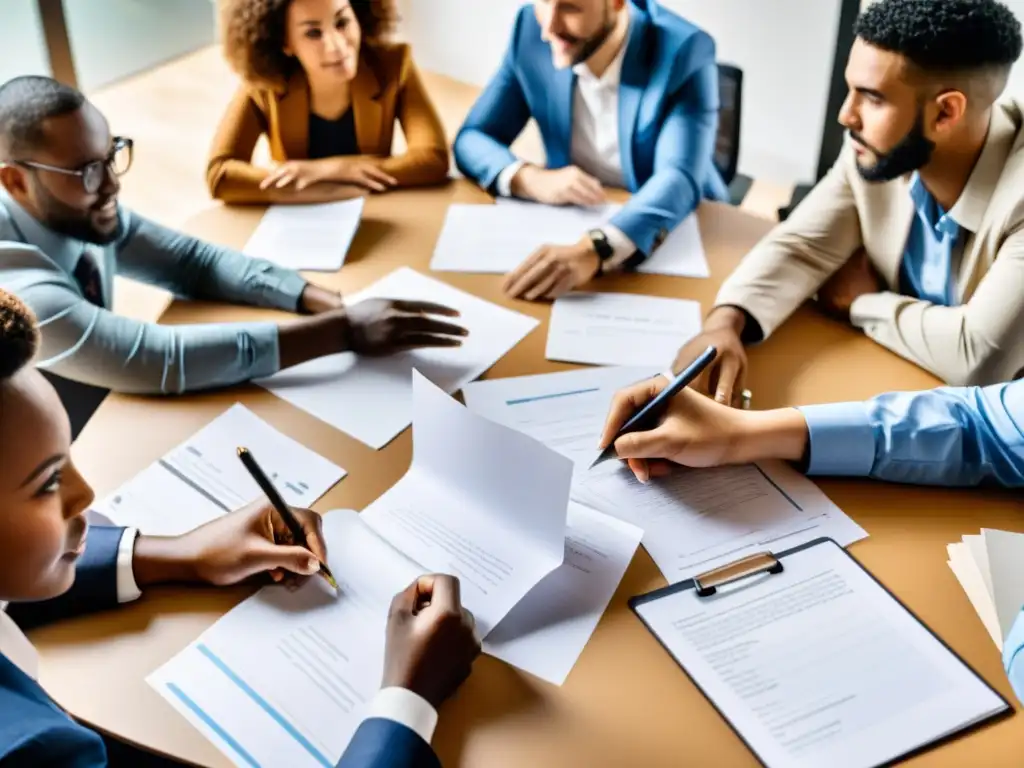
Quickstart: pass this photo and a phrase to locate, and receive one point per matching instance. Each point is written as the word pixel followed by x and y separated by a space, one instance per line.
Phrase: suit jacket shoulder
pixel 390 61
pixel 35 732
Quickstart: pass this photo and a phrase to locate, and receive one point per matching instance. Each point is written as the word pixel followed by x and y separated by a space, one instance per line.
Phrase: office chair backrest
pixel 727 143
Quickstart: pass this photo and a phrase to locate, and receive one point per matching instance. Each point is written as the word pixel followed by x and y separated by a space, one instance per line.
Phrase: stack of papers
pixel 693 520
pixel 498 238
pixel 990 568
pixel 286 677
pixel 311 237
pixel 202 478
pixel 620 329
pixel 371 398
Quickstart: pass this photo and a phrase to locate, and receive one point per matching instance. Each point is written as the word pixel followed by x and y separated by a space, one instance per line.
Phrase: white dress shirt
pixel 396 704
pixel 595 147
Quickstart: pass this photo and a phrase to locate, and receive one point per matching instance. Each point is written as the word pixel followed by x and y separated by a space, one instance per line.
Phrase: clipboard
pixel 767 566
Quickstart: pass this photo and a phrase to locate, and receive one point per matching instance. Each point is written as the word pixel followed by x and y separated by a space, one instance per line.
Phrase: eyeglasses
pixel 93 174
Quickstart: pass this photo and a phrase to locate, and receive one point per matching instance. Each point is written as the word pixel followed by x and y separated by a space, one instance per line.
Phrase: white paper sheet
pixel 548 629
pixel 202 478
pixel 286 677
pixel 620 328
pixel 693 520
pixel 480 501
pixel 310 237
pixel 962 564
pixel 371 398
pixel 1006 562
pixel 819 665
pixel 497 238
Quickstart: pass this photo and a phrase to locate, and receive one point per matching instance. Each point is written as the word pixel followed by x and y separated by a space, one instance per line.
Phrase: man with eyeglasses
pixel 63 237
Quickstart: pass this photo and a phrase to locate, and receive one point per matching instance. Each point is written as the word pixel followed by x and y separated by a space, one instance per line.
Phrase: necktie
pixel 87 273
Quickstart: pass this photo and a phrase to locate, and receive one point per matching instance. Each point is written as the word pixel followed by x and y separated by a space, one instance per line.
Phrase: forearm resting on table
pixel 315 300
pixel 239 184
pixel 309 338
pixel 780 433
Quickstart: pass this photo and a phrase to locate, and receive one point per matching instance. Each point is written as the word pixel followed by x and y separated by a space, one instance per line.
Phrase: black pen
pixel 647 416
pixel 298 535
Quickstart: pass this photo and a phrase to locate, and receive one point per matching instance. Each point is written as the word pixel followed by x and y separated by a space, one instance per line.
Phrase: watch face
pixel 601 244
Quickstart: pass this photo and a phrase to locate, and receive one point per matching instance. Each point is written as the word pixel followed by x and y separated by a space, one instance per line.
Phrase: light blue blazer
pixel 668 117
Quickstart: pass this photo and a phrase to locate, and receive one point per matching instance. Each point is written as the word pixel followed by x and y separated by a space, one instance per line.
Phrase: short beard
pixel 591 45
pixel 67 221
pixel 912 153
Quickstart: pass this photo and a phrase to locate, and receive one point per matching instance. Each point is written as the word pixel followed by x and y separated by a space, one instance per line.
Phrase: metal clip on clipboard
pixel 706 584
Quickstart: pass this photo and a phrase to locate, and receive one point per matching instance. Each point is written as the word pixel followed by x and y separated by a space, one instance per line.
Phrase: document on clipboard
pixel 813 662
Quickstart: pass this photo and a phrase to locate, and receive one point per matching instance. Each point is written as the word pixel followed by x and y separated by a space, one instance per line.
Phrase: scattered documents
pixel 285 678
pixel 311 237
pixel 547 631
pixel 990 568
pixel 620 329
pixel 202 478
pixel 371 398
pixel 480 501
pixel 817 665
pixel 498 238
pixel 693 519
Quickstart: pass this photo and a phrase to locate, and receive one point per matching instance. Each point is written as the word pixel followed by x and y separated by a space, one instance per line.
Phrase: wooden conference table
pixel 625 703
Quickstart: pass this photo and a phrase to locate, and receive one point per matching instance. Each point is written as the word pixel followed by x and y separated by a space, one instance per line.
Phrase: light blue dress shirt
pixel 926 270
pixel 93 345
pixel 948 436
pixel 1013 656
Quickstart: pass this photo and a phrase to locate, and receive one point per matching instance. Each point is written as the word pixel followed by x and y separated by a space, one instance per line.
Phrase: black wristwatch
pixel 602 246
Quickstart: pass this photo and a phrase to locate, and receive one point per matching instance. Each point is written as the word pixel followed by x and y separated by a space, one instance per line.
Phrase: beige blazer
pixel 981 341
pixel 387 88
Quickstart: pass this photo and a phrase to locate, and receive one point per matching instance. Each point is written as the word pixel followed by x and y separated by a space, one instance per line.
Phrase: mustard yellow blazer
pixel 387 87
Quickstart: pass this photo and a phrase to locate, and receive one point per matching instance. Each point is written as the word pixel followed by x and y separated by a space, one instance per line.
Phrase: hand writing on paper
pixel 698 432
pixel 552 271
pixel 724 378
pixel 248 542
pixel 386 326
pixel 563 186
pixel 854 279
pixel 339 170
pixel 431 639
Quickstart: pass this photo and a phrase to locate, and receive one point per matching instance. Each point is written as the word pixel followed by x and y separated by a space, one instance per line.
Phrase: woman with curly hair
pixel 323 85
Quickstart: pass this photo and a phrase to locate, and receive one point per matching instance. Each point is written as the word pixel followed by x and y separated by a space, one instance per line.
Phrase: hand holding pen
pixel 287 516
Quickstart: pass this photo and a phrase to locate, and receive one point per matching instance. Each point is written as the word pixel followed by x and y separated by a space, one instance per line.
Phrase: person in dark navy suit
pixel 53 565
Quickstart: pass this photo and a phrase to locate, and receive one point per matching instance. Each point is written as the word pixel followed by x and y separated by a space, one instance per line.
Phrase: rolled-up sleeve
pixel 85 343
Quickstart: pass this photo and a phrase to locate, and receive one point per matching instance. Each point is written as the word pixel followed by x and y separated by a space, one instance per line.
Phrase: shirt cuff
pixel 842 440
pixel 622 247
pixel 1013 656
pixel 266 354
pixel 404 707
pixel 290 289
pixel 127 589
pixel 503 184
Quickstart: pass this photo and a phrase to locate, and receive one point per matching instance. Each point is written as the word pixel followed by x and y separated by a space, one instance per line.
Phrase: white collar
pixel 613 74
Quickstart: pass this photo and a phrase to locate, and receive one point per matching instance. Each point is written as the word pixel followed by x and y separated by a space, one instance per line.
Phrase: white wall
pixel 785 48
pixel 22 49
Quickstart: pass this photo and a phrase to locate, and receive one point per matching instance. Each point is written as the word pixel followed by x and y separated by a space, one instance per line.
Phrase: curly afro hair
pixel 254 35
pixel 19 337
pixel 944 35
